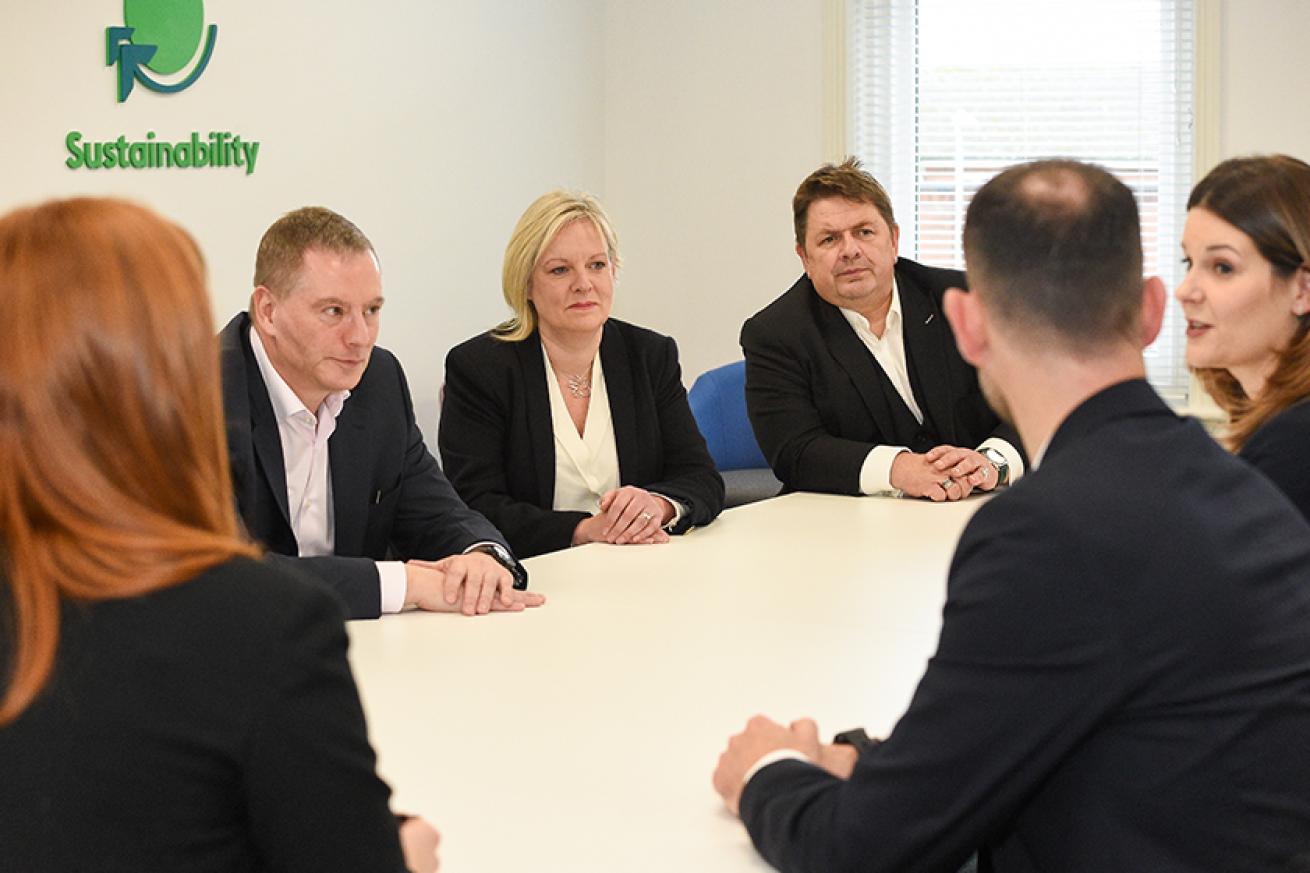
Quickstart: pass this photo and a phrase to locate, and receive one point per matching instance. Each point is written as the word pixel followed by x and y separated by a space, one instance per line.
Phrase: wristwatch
pixel 998 461
pixel 857 738
pixel 506 560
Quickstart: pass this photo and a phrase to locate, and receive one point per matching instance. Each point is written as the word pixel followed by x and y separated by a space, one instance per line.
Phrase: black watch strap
pixel 857 738
pixel 506 560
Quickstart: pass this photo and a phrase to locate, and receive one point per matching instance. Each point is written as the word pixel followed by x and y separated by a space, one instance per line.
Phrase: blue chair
pixel 718 402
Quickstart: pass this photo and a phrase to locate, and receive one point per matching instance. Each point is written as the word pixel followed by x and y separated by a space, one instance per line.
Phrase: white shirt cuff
pixel 1011 455
pixel 678 510
pixel 772 758
pixel 876 473
pixel 391 579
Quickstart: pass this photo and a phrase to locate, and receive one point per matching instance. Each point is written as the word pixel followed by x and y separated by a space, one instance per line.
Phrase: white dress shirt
pixel 889 351
pixel 772 758
pixel 304 437
pixel 587 465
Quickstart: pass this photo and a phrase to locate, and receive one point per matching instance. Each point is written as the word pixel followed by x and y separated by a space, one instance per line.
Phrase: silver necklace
pixel 579 384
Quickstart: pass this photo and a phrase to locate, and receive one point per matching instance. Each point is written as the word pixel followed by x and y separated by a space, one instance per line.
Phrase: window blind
pixel 946 93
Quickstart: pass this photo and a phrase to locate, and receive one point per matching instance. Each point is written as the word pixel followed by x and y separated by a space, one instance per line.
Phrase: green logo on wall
pixel 161 36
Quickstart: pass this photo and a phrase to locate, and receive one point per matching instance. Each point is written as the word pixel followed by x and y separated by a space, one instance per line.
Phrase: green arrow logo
pixel 162 36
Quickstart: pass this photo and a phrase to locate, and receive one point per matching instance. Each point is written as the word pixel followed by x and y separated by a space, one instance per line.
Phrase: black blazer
pixel 210 726
pixel 1122 680
pixel 1279 450
pixel 389 496
pixel 816 397
pixel 498 446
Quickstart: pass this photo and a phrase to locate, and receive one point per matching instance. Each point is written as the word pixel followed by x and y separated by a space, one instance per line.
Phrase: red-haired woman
pixel 167 702
pixel 1246 296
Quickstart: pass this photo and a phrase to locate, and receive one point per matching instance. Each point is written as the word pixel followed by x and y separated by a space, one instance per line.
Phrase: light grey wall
pixel 430 123
pixel 714 113
pixel 713 116
pixel 434 123
pixel 1265 77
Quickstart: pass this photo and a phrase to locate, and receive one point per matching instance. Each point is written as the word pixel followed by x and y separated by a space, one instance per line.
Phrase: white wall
pixel 430 123
pixel 714 113
pixel 713 116
pixel 434 123
pixel 1265 77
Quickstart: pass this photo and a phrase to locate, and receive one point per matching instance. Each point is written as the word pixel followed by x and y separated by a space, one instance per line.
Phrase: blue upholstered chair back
pixel 718 401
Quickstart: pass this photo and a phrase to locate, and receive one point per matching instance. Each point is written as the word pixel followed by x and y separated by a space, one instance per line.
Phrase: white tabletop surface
pixel 581 736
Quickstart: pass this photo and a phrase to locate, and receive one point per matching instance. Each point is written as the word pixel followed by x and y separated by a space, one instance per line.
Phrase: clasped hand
pixel 761 736
pixel 486 586
pixel 419 841
pixel 627 515
pixel 943 473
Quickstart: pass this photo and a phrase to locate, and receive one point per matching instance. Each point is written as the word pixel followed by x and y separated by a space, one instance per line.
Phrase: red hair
pixel 113 462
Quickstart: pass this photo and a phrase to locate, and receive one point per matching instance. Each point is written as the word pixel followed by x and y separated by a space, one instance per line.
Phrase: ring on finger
pixel 946 484
pixel 646 516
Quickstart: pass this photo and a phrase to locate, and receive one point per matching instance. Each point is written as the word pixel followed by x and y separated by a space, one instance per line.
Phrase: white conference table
pixel 581 736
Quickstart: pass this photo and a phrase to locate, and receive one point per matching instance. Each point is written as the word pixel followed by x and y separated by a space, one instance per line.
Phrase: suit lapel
pixel 348 454
pixel 925 332
pixel 856 360
pixel 536 399
pixel 618 383
pixel 263 428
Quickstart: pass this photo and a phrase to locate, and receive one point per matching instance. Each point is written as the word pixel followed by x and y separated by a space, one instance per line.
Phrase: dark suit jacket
pixel 210 726
pixel 1122 680
pixel 498 446
pixel 816 395
pixel 389 496
pixel 1278 449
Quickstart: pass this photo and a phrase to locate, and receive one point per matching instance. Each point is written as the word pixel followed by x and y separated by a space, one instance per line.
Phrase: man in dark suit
pixel 328 464
pixel 1122 680
pixel 853 384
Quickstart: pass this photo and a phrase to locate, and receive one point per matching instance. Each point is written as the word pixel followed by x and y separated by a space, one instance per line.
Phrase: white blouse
pixel 586 466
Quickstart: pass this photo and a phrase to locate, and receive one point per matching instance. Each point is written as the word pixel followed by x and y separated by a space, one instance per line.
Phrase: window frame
pixel 837 138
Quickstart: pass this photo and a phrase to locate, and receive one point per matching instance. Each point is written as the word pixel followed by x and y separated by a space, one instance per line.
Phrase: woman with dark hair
pixel 167 702
pixel 1246 296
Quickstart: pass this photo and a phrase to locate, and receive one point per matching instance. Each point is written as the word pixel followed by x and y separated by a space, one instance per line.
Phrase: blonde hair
pixel 537 228
pixel 113 460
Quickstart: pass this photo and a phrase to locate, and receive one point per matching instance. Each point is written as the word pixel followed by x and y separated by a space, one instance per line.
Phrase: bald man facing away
pixel 1122 680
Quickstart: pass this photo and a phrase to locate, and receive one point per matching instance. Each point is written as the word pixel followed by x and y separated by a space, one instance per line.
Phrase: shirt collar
pixel 1039 456
pixel 285 402
pixel 1131 397
pixel 893 322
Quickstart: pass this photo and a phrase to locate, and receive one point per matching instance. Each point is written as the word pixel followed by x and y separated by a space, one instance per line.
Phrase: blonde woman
pixel 564 426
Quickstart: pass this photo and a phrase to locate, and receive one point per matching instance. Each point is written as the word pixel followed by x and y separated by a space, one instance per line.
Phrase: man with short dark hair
pixel 327 461
pixel 1122 680
pixel 853 384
